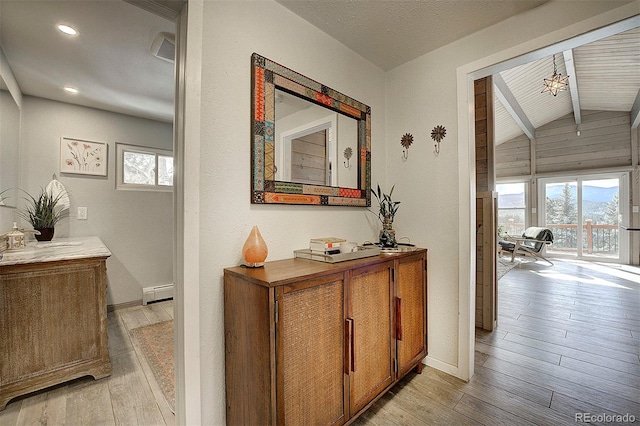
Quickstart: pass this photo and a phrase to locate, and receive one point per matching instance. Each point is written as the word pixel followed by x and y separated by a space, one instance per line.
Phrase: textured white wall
pixel 135 225
pixel 437 212
pixel 232 32
pixel 412 98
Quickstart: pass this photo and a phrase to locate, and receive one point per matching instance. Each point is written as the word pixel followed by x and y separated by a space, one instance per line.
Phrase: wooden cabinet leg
pixel 418 368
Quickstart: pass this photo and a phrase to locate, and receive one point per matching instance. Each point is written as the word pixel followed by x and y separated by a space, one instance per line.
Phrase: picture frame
pixel 83 157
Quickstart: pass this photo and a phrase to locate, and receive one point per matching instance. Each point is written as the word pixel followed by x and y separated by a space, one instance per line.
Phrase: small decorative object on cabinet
pixel 387 209
pixel 42 213
pixel 15 238
pixel 317 343
pixel 255 249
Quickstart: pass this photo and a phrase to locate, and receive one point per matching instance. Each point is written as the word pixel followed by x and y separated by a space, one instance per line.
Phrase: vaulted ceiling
pixel 604 75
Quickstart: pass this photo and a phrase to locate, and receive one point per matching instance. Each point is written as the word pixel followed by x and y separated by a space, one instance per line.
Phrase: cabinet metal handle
pixel 398 318
pixel 353 345
pixel 347 345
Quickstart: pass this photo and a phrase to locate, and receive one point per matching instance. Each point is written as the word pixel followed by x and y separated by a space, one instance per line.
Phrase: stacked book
pixel 326 245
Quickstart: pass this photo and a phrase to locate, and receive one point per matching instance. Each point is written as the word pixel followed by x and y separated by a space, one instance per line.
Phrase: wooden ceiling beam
pixel 635 112
pixel 504 94
pixel 573 84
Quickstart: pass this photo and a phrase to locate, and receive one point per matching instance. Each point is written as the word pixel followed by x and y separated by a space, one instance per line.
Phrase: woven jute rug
pixel 156 343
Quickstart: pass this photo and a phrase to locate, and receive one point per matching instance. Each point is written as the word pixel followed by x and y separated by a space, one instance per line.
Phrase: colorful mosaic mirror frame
pixel 265 189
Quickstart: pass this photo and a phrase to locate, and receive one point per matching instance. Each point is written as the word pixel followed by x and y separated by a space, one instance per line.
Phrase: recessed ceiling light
pixel 67 29
pixel 70 89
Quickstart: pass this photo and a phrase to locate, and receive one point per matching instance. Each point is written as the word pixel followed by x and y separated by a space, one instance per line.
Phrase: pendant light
pixel 557 82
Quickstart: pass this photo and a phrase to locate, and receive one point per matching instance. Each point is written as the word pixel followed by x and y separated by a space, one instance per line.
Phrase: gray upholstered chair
pixel 531 243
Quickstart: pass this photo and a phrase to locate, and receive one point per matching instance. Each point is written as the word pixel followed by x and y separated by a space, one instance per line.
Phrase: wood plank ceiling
pixel 604 76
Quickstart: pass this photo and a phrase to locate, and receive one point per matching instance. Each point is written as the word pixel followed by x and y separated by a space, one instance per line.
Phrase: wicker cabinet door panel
pixel 370 296
pixel 310 358
pixel 411 292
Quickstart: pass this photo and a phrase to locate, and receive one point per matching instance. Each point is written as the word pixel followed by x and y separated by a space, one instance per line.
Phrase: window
pixel 512 208
pixel 143 168
pixel 585 214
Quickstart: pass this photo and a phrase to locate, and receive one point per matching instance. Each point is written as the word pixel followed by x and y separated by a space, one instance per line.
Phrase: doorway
pixel 584 214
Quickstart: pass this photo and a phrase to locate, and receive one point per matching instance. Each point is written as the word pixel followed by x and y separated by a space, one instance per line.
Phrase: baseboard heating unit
pixel 156 293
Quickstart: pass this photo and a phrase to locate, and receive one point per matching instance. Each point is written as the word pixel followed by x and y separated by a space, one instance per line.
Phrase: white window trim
pixel 623 200
pixel 527 199
pixel 120 185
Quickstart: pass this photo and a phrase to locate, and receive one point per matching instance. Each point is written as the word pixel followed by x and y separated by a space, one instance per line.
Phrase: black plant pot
pixel 46 234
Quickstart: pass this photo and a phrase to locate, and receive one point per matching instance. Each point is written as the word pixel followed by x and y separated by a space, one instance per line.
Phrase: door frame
pixel 568 37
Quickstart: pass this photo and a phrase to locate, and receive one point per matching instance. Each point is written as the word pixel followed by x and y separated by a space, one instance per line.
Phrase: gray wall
pixel 135 225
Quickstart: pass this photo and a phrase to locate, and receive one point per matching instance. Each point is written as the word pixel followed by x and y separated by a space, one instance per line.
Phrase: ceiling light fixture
pixel 557 83
pixel 71 90
pixel 67 29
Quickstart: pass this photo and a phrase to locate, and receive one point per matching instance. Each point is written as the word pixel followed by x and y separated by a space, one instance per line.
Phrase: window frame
pixel 527 200
pixel 624 214
pixel 121 148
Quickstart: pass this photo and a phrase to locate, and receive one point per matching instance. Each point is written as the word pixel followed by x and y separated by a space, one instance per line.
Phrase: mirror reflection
pixel 309 141
pixel 9 145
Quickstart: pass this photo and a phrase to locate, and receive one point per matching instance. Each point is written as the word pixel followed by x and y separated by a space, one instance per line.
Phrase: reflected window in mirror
pixel 298 128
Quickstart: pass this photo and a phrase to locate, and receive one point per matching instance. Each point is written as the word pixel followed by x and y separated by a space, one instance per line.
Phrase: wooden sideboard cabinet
pixel 53 322
pixel 316 343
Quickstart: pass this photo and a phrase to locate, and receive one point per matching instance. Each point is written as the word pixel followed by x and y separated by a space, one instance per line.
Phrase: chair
pixel 533 240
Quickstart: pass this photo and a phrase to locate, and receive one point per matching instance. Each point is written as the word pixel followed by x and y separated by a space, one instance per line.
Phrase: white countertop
pixel 55 250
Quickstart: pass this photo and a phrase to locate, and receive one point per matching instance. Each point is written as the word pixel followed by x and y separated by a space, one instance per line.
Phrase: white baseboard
pixel 155 293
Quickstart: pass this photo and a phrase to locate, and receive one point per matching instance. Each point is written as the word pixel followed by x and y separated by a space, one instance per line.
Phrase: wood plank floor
pixel 567 342
pixel 130 396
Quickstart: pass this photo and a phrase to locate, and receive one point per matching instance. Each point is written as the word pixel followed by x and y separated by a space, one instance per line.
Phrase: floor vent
pixel 159 292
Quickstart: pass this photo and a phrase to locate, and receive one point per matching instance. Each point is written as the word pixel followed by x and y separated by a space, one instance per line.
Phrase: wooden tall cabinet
pixel 315 343
pixel 53 316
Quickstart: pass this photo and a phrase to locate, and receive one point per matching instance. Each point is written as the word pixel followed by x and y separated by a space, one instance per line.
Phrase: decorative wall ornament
pixel 437 134
pixel 266 187
pixel 406 141
pixel 83 157
pixel 348 152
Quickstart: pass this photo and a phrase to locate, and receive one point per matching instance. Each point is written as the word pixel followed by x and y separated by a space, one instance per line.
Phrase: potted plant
pixel 387 209
pixel 42 213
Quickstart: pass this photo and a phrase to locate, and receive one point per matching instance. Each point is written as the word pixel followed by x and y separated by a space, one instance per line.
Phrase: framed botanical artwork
pixel 83 157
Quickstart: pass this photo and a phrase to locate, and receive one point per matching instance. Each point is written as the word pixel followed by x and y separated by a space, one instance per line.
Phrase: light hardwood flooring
pixel 567 342
pixel 130 396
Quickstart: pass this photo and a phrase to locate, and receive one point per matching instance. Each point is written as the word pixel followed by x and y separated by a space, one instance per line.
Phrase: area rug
pixel 505 265
pixel 156 343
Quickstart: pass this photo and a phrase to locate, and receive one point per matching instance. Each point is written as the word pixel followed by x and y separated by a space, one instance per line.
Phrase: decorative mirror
pixel 9 146
pixel 298 129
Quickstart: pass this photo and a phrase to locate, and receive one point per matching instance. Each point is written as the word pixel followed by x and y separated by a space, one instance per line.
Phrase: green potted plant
pixel 387 209
pixel 42 213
